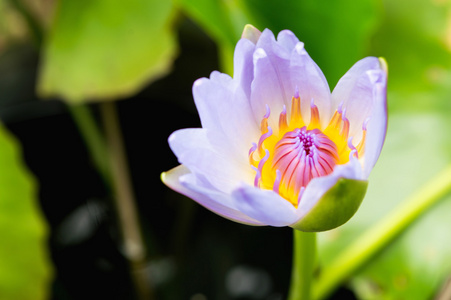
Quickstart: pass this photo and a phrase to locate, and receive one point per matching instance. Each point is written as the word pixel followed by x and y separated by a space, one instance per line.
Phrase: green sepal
pixel 336 206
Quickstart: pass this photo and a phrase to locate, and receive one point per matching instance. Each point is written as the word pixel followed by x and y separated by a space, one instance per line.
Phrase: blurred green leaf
pixel 223 21
pixel 416 266
pixel 106 49
pixel 415 38
pixel 215 17
pixel 25 271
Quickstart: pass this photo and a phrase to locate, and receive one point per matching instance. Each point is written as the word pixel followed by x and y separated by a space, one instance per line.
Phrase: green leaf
pixel 336 207
pixel 414 38
pixel 25 270
pixel 106 49
pixel 416 266
pixel 215 17
pixel 223 21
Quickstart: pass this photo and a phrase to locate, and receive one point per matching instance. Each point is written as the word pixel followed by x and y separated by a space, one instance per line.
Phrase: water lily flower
pixel 276 147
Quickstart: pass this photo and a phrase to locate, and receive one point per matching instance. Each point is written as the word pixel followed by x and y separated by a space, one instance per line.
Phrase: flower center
pixel 301 155
pixel 286 161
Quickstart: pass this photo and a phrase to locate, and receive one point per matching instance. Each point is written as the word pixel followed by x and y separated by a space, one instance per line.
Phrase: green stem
pixel 134 246
pixel 304 257
pixel 381 234
pixel 94 140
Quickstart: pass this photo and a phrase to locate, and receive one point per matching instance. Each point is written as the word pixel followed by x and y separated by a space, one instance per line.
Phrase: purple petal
pixel 243 67
pixel 287 39
pixel 272 83
pixel 271 86
pixel 281 66
pixel 312 84
pixel 225 110
pixel 318 186
pixel 265 206
pixel 273 48
pixel 221 79
pixel 376 127
pixel 181 180
pixel 355 90
pixel 194 149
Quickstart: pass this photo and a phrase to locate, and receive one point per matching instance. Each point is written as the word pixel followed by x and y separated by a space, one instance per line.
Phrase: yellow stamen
pixel 361 146
pixel 314 117
pixel 296 117
pixel 345 129
pixel 283 125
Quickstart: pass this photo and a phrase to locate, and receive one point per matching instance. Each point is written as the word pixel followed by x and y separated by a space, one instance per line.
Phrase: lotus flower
pixel 276 147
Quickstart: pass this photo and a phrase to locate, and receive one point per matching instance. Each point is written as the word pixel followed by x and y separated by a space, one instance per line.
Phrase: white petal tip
pixel 259 54
pixel 300 48
pixel 199 82
pixel 286 32
pixel 171 138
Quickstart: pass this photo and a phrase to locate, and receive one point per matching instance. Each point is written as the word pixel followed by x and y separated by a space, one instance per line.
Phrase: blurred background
pixel 70 71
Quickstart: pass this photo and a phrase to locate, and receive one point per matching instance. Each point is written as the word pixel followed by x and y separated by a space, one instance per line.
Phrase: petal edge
pixel 174 178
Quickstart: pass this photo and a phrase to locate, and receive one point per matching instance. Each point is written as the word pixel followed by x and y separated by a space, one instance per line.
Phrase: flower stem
pixel 94 140
pixel 304 257
pixel 134 246
pixel 381 234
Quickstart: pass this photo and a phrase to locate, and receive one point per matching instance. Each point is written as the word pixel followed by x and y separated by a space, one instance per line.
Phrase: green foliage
pixel 414 37
pixel 25 272
pixel 103 50
pixel 223 21
pixel 416 265
pixel 216 17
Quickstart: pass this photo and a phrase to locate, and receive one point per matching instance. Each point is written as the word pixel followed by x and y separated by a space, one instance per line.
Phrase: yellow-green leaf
pixel 106 49
pixel 25 271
